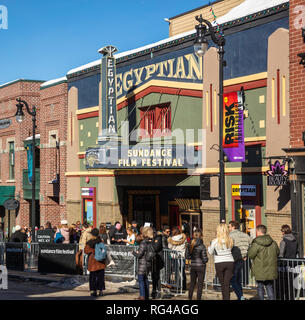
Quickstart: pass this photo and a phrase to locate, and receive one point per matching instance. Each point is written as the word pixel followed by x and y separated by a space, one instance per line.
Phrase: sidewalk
pixel 127 289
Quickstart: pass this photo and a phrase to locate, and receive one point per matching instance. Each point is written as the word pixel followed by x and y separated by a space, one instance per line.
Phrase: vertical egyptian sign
pixel 108 79
pixel 233 127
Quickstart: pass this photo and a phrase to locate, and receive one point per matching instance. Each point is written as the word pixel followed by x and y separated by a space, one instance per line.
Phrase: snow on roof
pixel 249 7
pixel 7 83
pixel 246 8
pixel 37 136
pixel 126 53
pixel 52 82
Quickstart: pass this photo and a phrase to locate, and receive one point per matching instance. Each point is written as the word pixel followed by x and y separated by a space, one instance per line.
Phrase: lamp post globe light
pixel 200 48
pixel 19 118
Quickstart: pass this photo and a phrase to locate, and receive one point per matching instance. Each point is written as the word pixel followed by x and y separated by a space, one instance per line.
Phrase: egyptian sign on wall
pixel 181 65
pixel 108 75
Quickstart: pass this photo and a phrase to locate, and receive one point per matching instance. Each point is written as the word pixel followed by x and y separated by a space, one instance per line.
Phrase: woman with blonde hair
pixel 221 249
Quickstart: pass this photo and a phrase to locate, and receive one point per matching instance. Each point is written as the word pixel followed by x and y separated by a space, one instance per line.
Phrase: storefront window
pixel 246 216
pixel 11 160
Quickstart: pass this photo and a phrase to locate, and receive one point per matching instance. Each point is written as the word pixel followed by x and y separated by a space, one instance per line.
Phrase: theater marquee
pixel 142 157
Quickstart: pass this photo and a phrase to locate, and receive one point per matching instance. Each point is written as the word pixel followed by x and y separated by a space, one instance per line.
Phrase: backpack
pixel 150 253
pixel 59 238
pixel 100 252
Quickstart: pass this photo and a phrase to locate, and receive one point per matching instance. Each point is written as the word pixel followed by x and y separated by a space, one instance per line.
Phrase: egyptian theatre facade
pixel 143 125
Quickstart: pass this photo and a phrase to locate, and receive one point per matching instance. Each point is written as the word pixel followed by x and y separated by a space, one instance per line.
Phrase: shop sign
pixel 108 75
pixel 5 123
pixel 242 190
pixel 11 204
pixel 88 192
pixel 142 157
pixel 277 175
pixel 233 127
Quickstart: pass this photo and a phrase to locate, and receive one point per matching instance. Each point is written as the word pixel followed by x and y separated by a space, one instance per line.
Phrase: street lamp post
pixel 19 118
pixel 200 48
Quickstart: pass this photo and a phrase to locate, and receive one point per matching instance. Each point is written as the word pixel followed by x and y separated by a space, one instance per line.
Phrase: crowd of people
pixel 230 249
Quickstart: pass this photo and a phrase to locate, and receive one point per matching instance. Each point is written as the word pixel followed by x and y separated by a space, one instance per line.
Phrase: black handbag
pixel 236 253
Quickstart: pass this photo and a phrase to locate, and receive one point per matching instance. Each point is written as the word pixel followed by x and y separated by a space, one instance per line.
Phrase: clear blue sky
pixel 47 38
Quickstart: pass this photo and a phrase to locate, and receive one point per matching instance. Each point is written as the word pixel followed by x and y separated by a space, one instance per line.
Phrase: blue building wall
pixel 245 54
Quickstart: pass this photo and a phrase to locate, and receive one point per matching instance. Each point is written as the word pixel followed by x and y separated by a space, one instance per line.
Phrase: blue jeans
pixel 269 288
pixel 144 286
pixel 236 279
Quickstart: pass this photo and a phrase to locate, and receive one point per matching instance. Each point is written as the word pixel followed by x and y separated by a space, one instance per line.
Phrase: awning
pixel 188 204
pixel 6 192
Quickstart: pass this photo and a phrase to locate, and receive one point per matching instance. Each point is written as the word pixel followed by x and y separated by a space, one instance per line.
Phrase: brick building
pixel 53 137
pixel 296 150
pixel 13 156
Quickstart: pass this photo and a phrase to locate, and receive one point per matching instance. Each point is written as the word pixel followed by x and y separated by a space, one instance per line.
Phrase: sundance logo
pixel 3 17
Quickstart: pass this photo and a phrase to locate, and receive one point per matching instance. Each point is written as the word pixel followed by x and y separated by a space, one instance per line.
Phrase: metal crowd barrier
pixel 173 274
pixel 248 281
pixel 290 284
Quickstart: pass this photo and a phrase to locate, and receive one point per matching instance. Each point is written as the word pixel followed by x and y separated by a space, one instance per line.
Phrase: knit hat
pixel 63 222
pixel 95 232
pixel 17 228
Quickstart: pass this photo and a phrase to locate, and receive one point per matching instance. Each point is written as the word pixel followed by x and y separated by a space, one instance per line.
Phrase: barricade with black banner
pixel 15 255
pixel 57 258
pixel 45 236
pixel 124 261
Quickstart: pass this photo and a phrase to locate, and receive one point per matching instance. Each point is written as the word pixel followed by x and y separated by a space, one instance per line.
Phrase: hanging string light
pixel 218 30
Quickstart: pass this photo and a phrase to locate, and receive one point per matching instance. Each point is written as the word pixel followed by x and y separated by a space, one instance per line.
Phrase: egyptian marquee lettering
pixel 187 67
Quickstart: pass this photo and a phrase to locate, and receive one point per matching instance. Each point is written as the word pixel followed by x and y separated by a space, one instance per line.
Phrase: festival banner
pixel 124 261
pixel 57 258
pixel 233 127
pixel 29 150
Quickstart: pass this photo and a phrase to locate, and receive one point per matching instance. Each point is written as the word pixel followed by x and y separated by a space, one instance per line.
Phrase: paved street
pixel 23 289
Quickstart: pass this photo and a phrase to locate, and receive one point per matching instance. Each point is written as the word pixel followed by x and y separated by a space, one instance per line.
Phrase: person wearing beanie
pixel 96 268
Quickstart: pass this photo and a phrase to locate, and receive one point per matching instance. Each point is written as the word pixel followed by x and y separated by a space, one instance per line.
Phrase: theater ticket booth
pixel 246 208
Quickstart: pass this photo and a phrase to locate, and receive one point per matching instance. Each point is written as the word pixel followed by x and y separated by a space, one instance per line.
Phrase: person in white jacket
pixel 177 242
pixel 221 249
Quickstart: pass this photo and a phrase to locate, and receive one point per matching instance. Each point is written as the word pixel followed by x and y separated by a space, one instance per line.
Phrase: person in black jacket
pixel 144 266
pixel 19 235
pixel 157 266
pixel 196 251
pixel 289 244
pixel 117 233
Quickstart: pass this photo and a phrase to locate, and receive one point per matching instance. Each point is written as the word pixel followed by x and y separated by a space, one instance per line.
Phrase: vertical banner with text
pixel 233 127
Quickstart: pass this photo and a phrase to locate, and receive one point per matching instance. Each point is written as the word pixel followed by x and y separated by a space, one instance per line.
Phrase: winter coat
pixel 289 247
pixel 93 265
pixel 159 261
pixel 242 241
pixel 220 252
pixel 264 252
pixel 19 236
pixel 144 266
pixel 66 234
pixel 177 243
pixel 199 256
pixel 85 237
pixel 117 234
